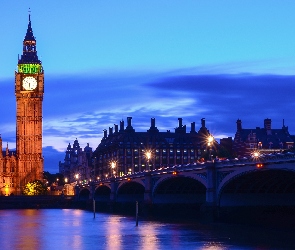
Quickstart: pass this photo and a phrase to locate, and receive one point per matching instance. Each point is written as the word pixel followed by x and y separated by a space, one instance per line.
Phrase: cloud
pixel 229 97
pixel 51 159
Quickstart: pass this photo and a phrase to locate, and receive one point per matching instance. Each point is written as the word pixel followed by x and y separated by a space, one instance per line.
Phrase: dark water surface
pixel 77 229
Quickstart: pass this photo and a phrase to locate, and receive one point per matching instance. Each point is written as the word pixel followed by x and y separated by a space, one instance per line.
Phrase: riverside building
pixel 77 165
pixel 265 140
pixel 126 151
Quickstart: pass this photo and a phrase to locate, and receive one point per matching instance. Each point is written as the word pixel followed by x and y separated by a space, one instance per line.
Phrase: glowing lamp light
pixel 148 155
pixel 210 140
pixel 113 168
pixel 259 165
pixel 6 190
pixel 256 154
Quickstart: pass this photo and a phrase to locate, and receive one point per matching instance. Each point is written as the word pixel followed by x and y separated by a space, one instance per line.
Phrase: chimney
pixel 110 131
pixel 203 122
pixel 116 128
pixel 129 122
pixel 121 126
pixel 180 122
pixel 284 127
pixel 193 127
pixel 153 122
pixel 267 124
pixel 239 125
pixel 105 133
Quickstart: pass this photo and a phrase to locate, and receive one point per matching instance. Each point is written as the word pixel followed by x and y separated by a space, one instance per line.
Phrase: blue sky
pixel 106 60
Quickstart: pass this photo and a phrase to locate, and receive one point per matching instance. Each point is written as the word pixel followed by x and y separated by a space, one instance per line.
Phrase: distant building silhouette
pixel 266 139
pixel 227 144
pixel 77 165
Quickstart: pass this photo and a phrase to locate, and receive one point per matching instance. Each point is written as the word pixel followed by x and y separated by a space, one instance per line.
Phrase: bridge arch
pixel 259 187
pixel 139 181
pixel 102 193
pixel 84 194
pixel 130 191
pixel 179 189
pixel 196 176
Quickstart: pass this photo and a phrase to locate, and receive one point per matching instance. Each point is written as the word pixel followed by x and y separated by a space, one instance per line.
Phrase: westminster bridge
pixel 263 181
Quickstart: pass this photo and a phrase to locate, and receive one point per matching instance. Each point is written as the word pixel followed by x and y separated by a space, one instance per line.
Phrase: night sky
pixel 107 60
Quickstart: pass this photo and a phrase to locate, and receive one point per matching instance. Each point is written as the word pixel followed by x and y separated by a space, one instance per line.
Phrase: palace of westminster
pixel 122 150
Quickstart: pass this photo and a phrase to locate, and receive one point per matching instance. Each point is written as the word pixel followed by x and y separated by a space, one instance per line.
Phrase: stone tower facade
pixel 29 90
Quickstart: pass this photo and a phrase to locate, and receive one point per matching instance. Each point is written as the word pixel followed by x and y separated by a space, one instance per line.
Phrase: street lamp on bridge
pixel 256 154
pixel 210 141
pixel 113 168
pixel 148 156
pixel 77 178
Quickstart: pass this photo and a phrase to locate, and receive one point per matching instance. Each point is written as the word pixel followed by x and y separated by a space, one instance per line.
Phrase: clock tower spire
pixel 29 47
pixel 29 90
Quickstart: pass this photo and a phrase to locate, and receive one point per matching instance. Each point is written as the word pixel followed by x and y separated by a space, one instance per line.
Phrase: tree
pixel 35 188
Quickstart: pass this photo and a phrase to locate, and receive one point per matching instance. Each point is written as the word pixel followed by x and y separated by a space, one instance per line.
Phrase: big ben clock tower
pixel 29 90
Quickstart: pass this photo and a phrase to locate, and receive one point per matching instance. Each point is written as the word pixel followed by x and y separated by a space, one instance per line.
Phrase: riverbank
pixel 32 202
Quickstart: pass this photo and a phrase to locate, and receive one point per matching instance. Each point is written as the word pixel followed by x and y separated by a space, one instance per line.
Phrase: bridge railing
pixel 270 158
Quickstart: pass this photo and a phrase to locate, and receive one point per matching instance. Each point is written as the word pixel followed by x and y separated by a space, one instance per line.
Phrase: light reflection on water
pixel 77 229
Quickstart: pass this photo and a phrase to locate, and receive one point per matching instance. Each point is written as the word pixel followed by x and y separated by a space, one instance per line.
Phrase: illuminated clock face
pixel 29 83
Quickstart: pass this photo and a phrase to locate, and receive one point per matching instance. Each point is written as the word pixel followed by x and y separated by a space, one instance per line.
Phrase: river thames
pixel 78 229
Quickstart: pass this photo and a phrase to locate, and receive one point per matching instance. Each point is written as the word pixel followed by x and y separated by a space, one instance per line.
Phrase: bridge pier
pixel 148 188
pixel 77 192
pixel 209 210
pixel 113 194
pixel 92 191
pixel 113 190
pixel 211 184
pixel 148 200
